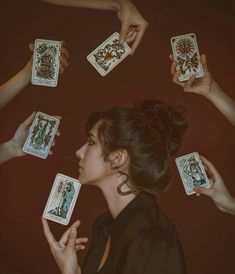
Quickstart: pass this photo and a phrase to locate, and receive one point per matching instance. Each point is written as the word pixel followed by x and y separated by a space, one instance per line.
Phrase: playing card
pixel 41 135
pixel 192 172
pixel 109 54
pixel 46 62
pixel 186 54
pixel 62 199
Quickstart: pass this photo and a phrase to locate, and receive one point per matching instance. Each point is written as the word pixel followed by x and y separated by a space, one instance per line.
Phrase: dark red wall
pixel 207 235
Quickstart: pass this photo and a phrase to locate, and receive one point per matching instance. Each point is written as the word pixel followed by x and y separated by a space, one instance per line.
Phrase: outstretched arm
pixel 133 25
pixel 65 250
pixel 14 85
pixel 218 191
pixel 19 81
pixel 13 148
pixel 208 88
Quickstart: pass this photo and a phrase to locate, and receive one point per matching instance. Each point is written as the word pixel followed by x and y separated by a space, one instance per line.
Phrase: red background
pixel 207 235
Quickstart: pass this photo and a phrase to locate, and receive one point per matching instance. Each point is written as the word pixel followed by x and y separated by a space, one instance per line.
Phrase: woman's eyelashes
pixel 90 142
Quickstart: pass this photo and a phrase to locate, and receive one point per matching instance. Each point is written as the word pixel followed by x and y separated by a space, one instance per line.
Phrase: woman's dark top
pixel 142 241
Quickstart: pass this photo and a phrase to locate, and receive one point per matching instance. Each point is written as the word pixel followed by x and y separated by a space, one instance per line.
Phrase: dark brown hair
pixel 151 133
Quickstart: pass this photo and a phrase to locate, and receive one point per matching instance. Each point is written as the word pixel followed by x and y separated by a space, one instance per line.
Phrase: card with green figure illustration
pixel 192 172
pixel 41 135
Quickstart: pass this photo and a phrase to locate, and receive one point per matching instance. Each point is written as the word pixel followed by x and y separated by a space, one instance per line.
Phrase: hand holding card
pixel 192 172
pixel 109 54
pixel 65 250
pixel 41 135
pixel 62 199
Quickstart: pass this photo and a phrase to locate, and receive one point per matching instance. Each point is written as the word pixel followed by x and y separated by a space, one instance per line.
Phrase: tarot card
pixel 62 199
pixel 192 172
pixel 41 135
pixel 109 54
pixel 186 55
pixel 46 63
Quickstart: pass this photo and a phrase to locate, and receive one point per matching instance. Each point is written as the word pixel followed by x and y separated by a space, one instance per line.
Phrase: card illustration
pixel 186 55
pixel 62 199
pixel 46 62
pixel 109 54
pixel 192 172
pixel 41 135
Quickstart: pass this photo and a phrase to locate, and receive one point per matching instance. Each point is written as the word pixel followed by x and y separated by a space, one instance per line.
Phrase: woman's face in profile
pixel 92 167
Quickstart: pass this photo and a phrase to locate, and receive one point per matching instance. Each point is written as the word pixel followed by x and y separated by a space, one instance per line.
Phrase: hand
pixel 133 24
pixel 65 250
pixel 18 140
pixel 202 85
pixel 218 192
pixel 64 56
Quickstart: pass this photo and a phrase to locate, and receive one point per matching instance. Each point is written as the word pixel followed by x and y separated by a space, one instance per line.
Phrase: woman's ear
pixel 118 158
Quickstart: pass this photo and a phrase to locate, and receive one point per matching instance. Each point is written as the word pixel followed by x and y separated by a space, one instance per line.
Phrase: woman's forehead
pixel 94 130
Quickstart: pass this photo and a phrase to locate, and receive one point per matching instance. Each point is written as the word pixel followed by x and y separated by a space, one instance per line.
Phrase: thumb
pixel 124 30
pixel 205 191
pixel 29 120
pixel 31 46
pixel 204 62
pixel 72 238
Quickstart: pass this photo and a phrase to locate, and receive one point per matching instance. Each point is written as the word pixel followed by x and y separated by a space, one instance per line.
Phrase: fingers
pixel 47 232
pixel 138 39
pixel 64 62
pixel 81 240
pixel 188 84
pixel 80 243
pixel 31 46
pixel 171 57
pixel 64 239
pixel 175 79
pixel 173 68
pixel 124 30
pixel 205 191
pixel 204 62
pixel 57 133
pixel 72 238
pixel 131 36
pixel 63 50
pixel 28 121
pixel 64 55
pixel 211 168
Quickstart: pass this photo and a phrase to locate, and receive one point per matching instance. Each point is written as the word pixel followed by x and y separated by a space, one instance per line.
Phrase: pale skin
pixel 93 170
pixel 218 191
pixel 133 25
pixel 208 88
pixel 14 147
pixel 19 81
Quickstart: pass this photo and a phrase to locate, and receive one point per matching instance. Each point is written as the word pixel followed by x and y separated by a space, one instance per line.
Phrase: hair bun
pixel 168 121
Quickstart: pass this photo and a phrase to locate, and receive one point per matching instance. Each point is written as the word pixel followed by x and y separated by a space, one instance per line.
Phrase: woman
pixel 128 156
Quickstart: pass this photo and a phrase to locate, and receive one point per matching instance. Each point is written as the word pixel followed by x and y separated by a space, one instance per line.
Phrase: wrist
pixel 9 151
pixel 27 70
pixel 116 5
pixel 214 91
pixel 232 207
pixel 12 149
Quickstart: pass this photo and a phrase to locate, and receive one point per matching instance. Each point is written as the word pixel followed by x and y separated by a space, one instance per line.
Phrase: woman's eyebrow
pixel 91 135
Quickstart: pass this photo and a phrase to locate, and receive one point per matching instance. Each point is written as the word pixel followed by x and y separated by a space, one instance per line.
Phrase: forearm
pixel 231 206
pixel 92 4
pixel 223 102
pixel 13 86
pixel 7 152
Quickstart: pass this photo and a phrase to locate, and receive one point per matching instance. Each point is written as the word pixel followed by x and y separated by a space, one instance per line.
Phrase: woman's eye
pixel 90 142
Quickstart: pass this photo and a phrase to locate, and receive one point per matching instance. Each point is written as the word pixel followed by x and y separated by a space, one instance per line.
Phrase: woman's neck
pixel 116 202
